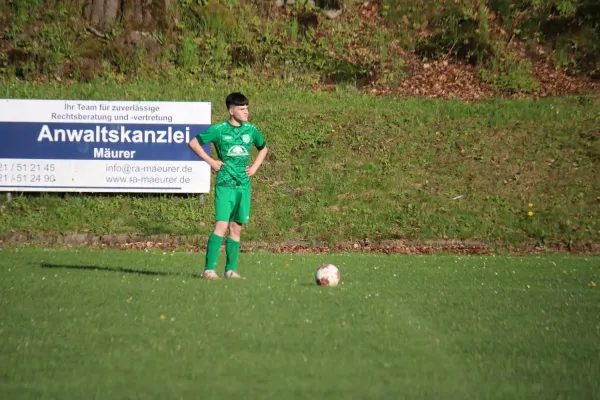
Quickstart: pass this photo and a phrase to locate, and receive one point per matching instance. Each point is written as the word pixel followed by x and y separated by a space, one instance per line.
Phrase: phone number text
pixel 26 178
pixel 26 167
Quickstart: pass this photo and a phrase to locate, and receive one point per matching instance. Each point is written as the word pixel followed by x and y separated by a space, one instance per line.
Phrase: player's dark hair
pixel 236 99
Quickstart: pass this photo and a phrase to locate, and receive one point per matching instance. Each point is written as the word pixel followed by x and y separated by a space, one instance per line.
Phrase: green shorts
pixel 232 204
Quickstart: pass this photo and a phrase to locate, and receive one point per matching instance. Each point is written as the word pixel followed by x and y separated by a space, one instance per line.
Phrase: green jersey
pixel 233 145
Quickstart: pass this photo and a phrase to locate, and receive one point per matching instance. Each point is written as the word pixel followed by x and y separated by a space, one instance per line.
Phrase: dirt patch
pixel 444 80
pixel 450 79
pixel 196 243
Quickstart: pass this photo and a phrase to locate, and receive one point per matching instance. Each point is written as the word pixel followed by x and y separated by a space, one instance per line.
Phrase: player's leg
pixel 224 202
pixel 241 215
pixel 213 247
pixel 232 247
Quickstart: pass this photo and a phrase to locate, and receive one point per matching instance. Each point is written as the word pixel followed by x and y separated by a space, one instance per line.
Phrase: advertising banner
pixel 102 146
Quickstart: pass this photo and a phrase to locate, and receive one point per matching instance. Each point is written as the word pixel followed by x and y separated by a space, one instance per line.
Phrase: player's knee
pixel 235 230
pixel 220 228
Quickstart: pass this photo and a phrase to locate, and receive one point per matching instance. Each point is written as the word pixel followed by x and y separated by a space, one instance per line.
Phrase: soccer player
pixel 233 140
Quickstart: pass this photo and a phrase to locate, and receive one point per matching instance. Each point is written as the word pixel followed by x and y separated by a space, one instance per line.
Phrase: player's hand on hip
pixel 250 171
pixel 217 164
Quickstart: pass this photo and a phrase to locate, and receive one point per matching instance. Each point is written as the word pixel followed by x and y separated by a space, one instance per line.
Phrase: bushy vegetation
pixel 368 44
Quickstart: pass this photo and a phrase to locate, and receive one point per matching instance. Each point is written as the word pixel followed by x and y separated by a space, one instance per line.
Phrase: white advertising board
pixel 102 146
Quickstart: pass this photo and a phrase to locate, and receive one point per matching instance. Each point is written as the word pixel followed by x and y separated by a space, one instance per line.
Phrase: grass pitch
pixel 106 324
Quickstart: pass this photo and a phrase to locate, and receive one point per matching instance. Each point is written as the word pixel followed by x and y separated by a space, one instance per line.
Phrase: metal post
pixel 9 197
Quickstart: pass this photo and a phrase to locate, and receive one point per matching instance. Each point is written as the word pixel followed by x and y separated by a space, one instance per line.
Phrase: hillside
pixel 453 49
pixel 371 140
pixel 349 168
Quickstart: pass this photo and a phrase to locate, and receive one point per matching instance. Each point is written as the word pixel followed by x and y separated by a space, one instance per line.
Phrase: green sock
pixel 233 252
pixel 212 251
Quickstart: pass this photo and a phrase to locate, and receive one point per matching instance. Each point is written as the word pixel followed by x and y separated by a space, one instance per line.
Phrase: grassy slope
pixel 106 324
pixel 345 165
pixel 376 43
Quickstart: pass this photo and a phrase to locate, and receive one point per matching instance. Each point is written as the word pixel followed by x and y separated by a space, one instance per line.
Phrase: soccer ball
pixel 328 275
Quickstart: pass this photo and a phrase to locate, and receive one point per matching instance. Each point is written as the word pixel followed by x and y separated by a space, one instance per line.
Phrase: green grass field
pixel 97 324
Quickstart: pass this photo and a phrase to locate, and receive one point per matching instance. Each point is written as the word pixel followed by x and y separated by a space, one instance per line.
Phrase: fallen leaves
pixel 444 80
pixel 555 82
pixel 167 244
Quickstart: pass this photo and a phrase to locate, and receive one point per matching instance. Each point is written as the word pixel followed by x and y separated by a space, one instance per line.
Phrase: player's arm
pixel 260 157
pixel 197 148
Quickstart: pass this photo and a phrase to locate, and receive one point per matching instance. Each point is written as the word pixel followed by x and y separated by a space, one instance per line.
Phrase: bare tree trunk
pixel 101 14
pixel 142 15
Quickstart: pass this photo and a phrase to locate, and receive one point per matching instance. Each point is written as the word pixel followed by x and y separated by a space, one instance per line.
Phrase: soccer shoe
pixel 232 275
pixel 210 274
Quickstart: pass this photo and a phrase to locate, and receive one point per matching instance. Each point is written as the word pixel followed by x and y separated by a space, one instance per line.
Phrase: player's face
pixel 239 113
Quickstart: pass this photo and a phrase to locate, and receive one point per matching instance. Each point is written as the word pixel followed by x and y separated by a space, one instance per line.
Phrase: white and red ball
pixel 328 275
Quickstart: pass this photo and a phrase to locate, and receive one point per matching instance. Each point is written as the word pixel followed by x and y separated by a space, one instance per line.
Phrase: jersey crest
pixel 237 151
